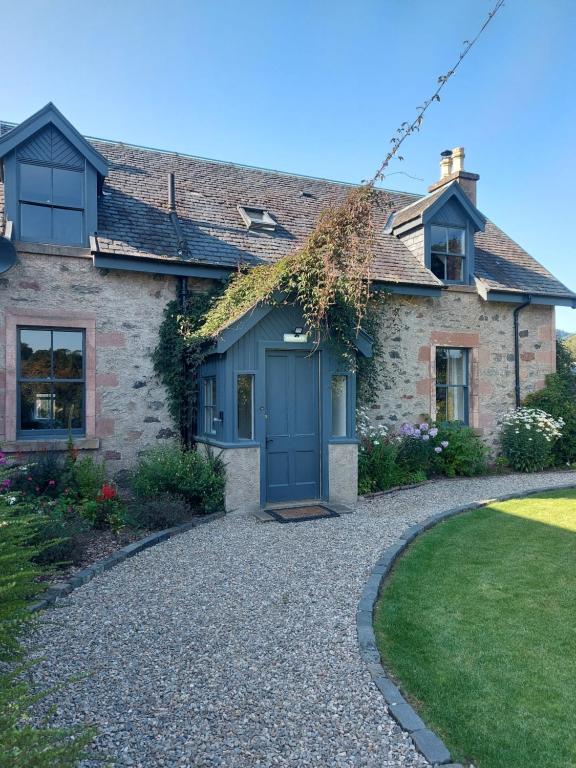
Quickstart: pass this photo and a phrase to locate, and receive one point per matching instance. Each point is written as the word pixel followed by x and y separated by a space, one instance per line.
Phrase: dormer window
pixel 448 253
pixel 51 204
pixel 52 176
pixel 257 218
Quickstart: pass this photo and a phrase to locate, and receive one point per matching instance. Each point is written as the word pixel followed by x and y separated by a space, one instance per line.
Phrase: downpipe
pixel 517 311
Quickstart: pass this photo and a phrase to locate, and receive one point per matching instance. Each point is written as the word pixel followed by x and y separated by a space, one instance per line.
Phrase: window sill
pixel 50 444
pixel 460 288
pixel 50 249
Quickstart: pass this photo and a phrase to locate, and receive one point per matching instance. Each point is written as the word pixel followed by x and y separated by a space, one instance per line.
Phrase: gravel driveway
pixel 235 644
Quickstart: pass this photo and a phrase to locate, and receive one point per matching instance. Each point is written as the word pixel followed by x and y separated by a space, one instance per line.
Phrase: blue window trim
pixel 465 387
pixel 51 206
pixel 41 434
pixel 465 256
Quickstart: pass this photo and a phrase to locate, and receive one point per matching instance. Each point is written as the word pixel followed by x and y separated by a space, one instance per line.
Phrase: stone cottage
pixel 98 236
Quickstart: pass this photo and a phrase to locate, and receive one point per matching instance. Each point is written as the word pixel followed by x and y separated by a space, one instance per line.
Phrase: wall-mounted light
pixel 298 331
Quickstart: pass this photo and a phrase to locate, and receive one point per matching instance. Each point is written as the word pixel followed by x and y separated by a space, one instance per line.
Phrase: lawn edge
pixel 424 739
pixel 79 578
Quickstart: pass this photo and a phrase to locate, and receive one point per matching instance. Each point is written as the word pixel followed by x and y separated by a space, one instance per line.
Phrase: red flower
pixel 107 493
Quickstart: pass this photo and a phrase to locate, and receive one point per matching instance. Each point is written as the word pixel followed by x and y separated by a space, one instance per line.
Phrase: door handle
pixel 269 440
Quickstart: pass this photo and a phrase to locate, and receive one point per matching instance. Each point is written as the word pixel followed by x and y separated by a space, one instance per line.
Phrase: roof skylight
pixel 257 218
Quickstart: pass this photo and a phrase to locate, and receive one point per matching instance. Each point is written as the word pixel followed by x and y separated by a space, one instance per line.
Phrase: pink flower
pixel 51 482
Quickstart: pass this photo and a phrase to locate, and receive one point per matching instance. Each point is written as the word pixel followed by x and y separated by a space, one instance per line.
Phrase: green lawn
pixel 478 625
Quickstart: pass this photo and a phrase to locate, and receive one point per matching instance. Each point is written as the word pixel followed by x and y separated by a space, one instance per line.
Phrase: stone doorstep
pixel 425 740
pixel 62 589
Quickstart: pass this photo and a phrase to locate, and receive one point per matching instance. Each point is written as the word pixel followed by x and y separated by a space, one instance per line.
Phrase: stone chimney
pixel 452 169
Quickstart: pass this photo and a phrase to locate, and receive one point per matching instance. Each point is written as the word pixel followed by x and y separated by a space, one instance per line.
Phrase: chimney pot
pixel 457 159
pixel 452 169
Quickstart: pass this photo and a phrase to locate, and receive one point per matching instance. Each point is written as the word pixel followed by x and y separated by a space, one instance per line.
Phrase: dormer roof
pixel 50 115
pixel 423 210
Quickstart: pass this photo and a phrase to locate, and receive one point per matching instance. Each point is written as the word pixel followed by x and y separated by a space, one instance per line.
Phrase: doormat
pixel 300 514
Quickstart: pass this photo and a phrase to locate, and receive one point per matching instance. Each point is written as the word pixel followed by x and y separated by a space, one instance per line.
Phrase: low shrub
pixel 42 477
pixel 419 447
pixel 106 510
pixel 527 438
pixel 463 452
pixel 85 477
pixel 163 511
pixel 558 398
pixel 197 478
pixel 379 467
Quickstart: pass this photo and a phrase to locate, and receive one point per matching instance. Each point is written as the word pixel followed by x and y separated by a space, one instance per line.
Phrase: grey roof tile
pixel 133 218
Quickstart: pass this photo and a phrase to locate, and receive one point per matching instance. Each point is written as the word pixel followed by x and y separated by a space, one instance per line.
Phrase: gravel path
pixel 234 644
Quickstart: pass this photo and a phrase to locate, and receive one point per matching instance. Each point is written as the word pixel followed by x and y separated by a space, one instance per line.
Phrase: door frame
pixel 260 401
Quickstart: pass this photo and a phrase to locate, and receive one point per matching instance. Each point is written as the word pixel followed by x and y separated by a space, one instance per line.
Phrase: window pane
pixel 245 384
pixel 67 354
pixel 456 366
pixel 438 239
pixel 454 268
pixel 438 266
pixel 35 183
pixel 441 403
pixel 67 227
pixel 339 391
pixel 36 402
pixel 35 223
pixel 68 406
pixel 456 241
pixel 68 188
pixel 256 214
pixel 441 365
pixel 209 405
pixel 455 404
pixel 35 349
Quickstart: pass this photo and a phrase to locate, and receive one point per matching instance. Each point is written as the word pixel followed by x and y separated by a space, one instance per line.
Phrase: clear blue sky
pixel 319 87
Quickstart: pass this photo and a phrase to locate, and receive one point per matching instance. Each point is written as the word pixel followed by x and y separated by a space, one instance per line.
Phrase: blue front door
pixel 292 453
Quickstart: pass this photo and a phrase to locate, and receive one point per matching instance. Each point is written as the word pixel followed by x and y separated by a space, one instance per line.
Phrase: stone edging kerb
pixel 425 740
pixel 63 588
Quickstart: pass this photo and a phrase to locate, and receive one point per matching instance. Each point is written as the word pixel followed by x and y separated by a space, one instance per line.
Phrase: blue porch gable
pixel 267 385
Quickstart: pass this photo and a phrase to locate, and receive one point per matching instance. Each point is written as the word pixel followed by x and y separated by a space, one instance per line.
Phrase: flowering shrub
pixel 378 465
pixel 419 446
pixel 527 438
pixel 558 398
pixel 463 452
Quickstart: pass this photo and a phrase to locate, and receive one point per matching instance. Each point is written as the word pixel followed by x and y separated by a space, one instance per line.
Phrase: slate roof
pixel 414 210
pixel 133 219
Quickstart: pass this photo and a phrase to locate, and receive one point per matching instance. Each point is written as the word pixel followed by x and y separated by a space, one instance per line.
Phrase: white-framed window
pixel 448 253
pixel 245 406
pixel 209 396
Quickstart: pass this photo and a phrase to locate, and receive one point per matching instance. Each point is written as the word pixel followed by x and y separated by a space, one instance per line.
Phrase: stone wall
pixel 461 318
pixel 130 403
pixel 343 472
